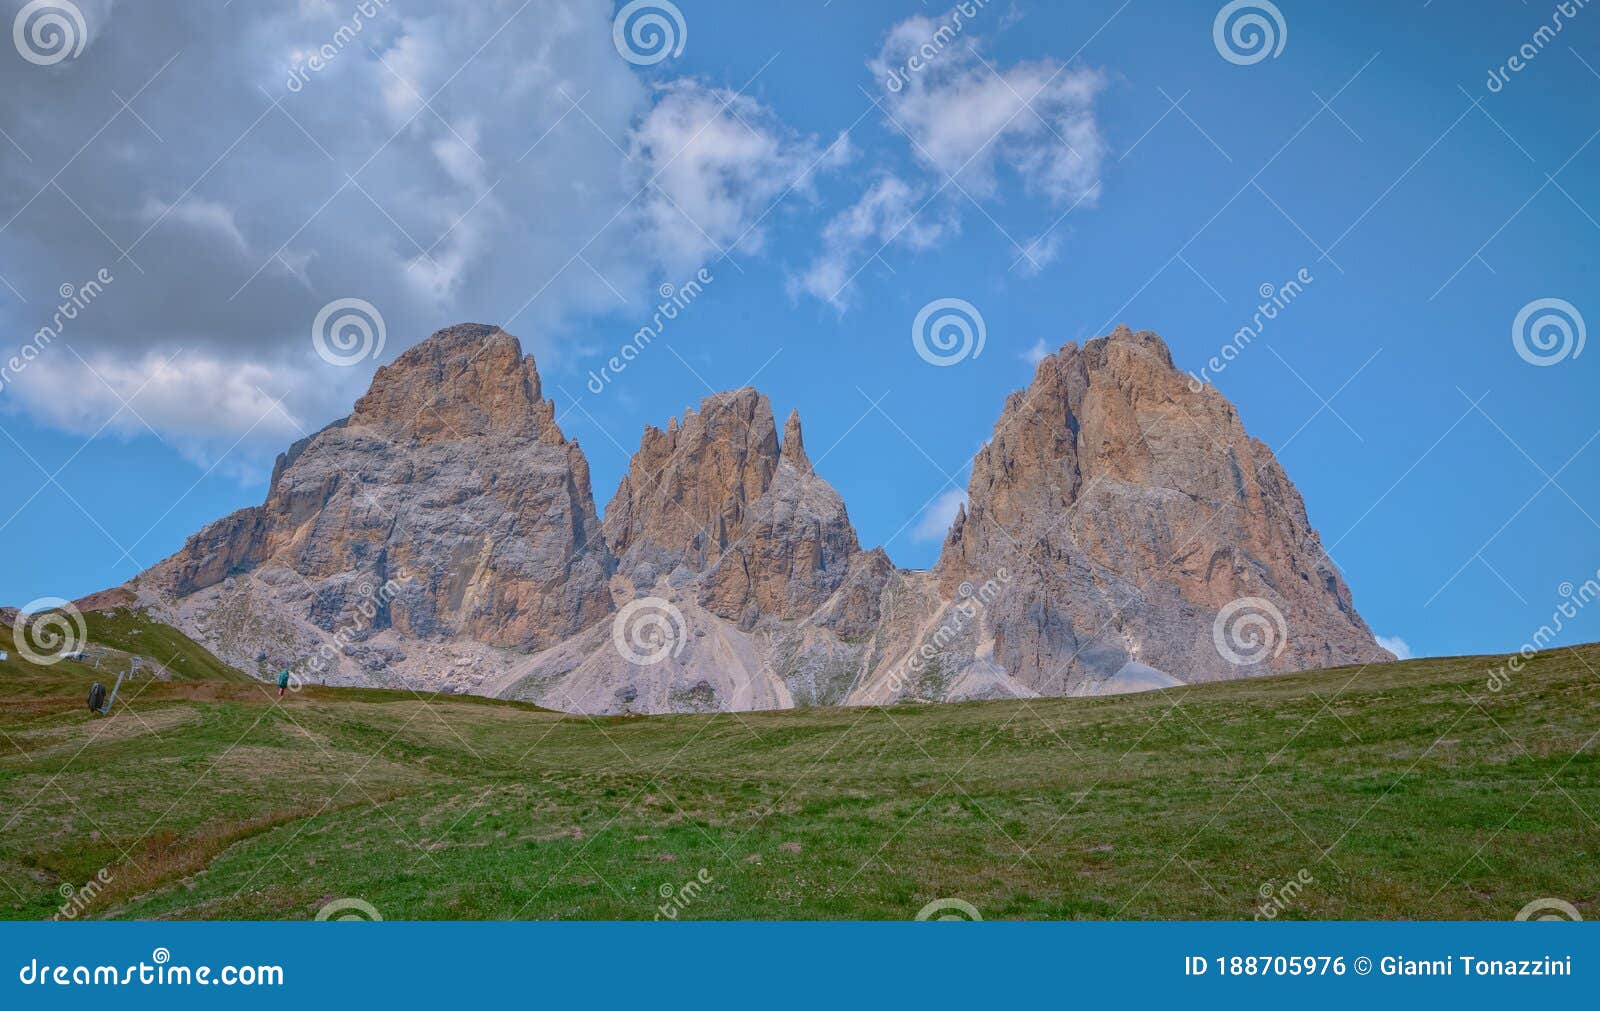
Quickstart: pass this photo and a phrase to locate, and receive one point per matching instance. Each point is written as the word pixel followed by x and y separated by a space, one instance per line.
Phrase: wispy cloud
pixel 1396 645
pixel 966 117
pixel 968 123
pixel 886 213
pixel 385 176
pixel 936 519
pixel 1036 354
pixel 716 162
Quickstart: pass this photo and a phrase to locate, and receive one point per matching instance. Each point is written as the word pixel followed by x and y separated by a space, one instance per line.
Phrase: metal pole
pixel 112 700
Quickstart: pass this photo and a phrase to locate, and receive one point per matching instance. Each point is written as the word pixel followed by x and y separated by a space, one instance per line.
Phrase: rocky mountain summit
pixel 1132 511
pixel 1122 533
pixel 447 507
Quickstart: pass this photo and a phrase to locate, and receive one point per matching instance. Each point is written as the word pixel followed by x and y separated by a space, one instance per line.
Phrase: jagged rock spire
pixel 687 490
pixel 794 447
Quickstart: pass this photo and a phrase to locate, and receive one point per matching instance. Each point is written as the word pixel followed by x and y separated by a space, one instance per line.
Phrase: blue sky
pixel 1151 181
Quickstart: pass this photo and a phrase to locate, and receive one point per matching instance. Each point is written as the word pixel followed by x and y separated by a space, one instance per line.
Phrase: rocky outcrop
pixel 689 490
pixel 447 506
pixel 742 557
pixel 717 494
pixel 107 600
pixel 1130 512
pixel 1122 533
pixel 795 549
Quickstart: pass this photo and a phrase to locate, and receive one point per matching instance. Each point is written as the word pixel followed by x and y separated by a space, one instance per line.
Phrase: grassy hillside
pixel 1406 790
pixel 113 637
pixel 132 632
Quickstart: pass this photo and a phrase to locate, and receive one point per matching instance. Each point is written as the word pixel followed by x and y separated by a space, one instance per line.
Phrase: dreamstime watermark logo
pixel 74 300
pixel 346 910
pixel 317 60
pixel 1548 331
pixel 78 899
pixel 648 630
pixel 969 604
pixel 49 630
pixel 949 910
pixel 1565 11
pixel 348 331
pixel 49 31
pixel 680 897
pixel 929 51
pixel 1249 630
pixel 673 302
pixel 1275 898
pixel 159 971
pixel 1573 600
pixel 1544 910
pixel 948 331
pixel 1248 31
pixel 646 32
pixel 1274 300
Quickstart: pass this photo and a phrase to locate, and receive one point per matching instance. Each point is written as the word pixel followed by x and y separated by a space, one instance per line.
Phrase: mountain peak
pixel 687 488
pixel 449 487
pixel 463 381
pixel 1147 340
pixel 794 447
pixel 1158 511
pixel 1112 519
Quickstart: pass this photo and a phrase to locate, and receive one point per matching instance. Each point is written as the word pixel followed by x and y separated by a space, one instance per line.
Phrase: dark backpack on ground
pixel 97 697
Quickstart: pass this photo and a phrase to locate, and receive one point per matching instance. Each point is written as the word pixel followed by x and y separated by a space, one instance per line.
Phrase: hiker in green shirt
pixel 283 682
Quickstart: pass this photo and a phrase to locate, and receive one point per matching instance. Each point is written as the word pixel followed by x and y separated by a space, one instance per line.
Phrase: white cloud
pixel 890 211
pixel 463 209
pixel 969 121
pixel 966 118
pixel 457 151
pixel 438 271
pixel 409 61
pixel 1036 354
pixel 1396 645
pixel 1039 253
pixel 936 519
pixel 204 216
pixel 716 162
pixel 187 398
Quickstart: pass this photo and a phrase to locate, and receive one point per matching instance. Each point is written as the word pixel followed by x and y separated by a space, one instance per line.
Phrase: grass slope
pixel 115 636
pixel 131 631
pixel 1405 790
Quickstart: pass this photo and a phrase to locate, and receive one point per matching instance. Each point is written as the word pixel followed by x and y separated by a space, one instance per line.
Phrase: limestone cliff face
pixel 1129 512
pixel 735 549
pixel 450 482
pixel 795 550
pixel 444 536
pixel 689 489
pixel 717 494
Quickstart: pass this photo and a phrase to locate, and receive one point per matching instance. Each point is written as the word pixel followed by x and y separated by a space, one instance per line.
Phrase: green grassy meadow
pixel 1406 790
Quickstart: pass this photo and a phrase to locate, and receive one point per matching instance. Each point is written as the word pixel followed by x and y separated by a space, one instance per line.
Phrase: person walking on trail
pixel 283 682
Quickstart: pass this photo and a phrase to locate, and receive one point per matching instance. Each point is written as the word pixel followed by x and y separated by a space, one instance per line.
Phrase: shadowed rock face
pixel 451 479
pixel 716 494
pixel 1129 511
pixel 795 550
pixel 689 490
pixel 731 541
pixel 444 536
